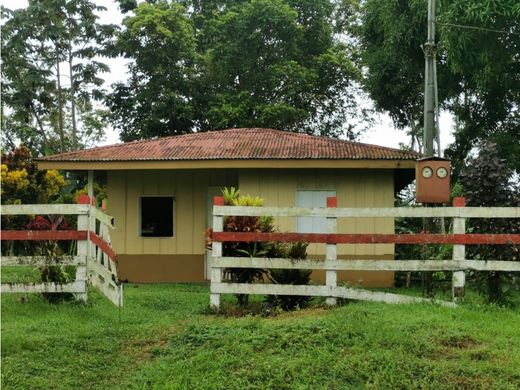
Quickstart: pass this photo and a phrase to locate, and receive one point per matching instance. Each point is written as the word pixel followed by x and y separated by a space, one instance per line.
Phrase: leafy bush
pixel 487 182
pixel 52 250
pixel 296 251
pixel 246 249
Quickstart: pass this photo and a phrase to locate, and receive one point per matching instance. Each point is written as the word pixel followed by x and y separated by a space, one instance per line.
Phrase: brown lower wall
pixel 161 268
pixel 190 268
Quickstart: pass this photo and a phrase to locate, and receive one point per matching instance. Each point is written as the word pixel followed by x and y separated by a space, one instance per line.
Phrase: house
pixel 160 192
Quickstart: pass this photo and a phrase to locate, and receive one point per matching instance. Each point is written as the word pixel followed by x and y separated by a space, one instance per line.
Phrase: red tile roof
pixel 237 144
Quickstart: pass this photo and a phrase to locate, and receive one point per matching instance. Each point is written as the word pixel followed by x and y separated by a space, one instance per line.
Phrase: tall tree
pixel 478 66
pixel 43 44
pixel 157 99
pixel 236 63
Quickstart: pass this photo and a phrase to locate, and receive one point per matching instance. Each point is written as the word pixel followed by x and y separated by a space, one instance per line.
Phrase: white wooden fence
pixel 332 264
pixel 94 258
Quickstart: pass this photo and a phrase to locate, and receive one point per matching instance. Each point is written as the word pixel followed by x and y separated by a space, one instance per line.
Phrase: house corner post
pixel 331 277
pixel 83 249
pixel 216 248
pixel 459 252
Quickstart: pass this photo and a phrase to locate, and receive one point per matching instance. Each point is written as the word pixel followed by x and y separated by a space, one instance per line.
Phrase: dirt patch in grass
pixel 460 342
pixel 303 313
pixel 145 350
pixel 469 382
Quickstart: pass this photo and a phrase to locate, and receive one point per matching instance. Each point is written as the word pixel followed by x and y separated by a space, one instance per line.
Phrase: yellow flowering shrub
pixel 16 180
pixel 54 182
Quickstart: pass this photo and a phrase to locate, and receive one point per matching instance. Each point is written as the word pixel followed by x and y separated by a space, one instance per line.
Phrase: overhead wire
pixel 480 28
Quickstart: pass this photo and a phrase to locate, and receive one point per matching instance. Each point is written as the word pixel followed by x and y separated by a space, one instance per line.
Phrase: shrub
pixel 52 250
pixel 296 251
pixel 487 182
pixel 245 249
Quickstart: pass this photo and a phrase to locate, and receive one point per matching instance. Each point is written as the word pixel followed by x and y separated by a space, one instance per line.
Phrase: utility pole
pixel 430 51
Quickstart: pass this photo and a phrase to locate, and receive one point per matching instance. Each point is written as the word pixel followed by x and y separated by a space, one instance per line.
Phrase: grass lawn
pixel 164 338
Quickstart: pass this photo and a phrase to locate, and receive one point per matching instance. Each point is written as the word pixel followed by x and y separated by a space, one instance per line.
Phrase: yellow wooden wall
pixel 354 188
pixel 189 187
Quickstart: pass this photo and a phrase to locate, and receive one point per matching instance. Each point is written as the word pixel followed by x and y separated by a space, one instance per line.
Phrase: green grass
pixel 164 338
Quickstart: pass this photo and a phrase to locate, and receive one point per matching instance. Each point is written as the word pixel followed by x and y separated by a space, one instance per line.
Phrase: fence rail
pixel 379 212
pixel 95 259
pixel 459 238
pixel 367 265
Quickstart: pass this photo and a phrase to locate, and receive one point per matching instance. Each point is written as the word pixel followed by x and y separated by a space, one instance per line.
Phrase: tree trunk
pixel 60 107
pixel 73 103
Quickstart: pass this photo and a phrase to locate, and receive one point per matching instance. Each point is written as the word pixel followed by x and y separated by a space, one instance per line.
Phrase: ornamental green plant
pixel 487 182
pixel 263 224
pixel 294 251
pixel 51 250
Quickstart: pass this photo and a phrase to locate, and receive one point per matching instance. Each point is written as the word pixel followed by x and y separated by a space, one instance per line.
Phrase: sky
pixel 382 133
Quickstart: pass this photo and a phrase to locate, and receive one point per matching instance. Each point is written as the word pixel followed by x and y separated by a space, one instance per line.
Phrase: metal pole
pixel 429 49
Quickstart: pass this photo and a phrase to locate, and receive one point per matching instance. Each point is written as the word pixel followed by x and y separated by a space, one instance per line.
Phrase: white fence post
pixel 216 248
pixel 83 251
pixel 331 277
pixel 459 252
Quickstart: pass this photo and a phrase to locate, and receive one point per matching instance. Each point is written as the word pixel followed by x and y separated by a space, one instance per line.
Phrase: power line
pixel 479 28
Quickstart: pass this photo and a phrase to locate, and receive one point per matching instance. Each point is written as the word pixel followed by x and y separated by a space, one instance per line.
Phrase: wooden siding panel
pixel 133 240
pixel 116 206
pixel 184 213
pixel 167 186
pixel 345 195
pixel 200 190
pixel 384 199
pixel 286 184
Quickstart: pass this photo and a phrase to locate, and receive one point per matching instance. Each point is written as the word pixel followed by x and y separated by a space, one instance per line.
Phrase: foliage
pixel 157 99
pixel 23 183
pixel 247 63
pixel 245 249
pixel 38 43
pixel 100 193
pixel 429 281
pixel 487 182
pixel 296 251
pixel 477 69
pixel 162 338
pixel 52 250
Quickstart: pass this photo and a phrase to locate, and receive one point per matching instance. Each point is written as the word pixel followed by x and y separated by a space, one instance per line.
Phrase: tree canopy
pixel 207 65
pixel 478 67
pixel 43 44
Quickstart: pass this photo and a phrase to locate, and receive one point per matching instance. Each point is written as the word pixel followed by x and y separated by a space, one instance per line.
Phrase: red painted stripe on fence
pixel 103 245
pixel 462 239
pixel 37 235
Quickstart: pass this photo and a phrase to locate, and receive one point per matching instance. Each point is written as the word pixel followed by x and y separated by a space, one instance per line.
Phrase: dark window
pixel 157 216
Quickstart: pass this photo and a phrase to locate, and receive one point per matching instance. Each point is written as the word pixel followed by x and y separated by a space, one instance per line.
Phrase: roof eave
pixel 227 164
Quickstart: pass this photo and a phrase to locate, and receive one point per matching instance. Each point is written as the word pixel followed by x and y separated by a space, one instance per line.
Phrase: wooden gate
pixel 458 264
pixel 94 259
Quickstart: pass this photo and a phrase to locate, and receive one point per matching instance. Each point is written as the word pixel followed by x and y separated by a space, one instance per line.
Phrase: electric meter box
pixel 432 180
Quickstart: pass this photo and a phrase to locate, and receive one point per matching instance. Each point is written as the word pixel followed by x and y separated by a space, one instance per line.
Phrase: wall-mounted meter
pixel 432 176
